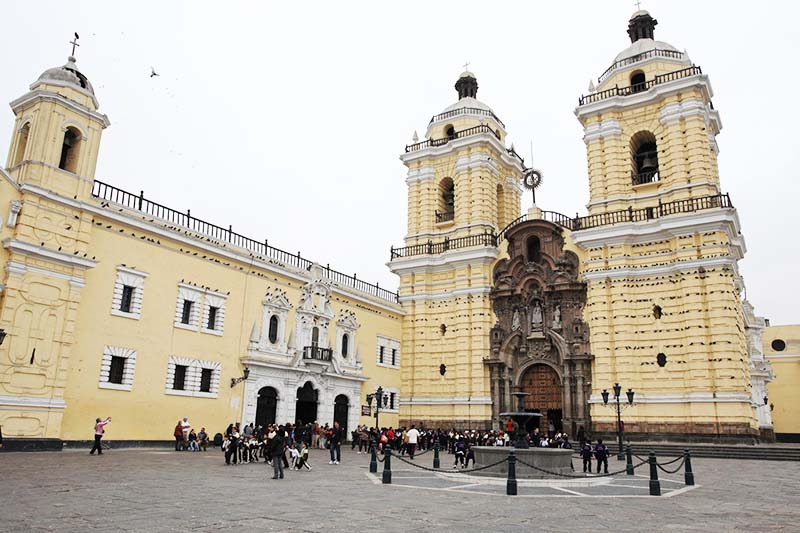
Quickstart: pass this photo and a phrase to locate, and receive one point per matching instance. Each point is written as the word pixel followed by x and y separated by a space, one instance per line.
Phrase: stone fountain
pixel 552 459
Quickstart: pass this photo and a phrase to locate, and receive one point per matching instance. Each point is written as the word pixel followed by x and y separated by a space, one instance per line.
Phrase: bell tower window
pixel 69 150
pixel 450 131
pixel 22 144
pixel 501 208
pixel 638 82
pixel 534 249
pixel 644 154
pixel 447 201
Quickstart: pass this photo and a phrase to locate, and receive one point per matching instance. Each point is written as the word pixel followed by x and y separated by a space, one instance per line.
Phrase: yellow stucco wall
pixel 784 390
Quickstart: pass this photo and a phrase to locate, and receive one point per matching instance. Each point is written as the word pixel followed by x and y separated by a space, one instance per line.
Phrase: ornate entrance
pixel 307 400
pixel 543 385
pixel 340 409
pixel 266 406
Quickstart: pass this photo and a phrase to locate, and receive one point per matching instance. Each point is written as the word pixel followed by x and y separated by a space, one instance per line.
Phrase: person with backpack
pixel 601 453
pixel 98 435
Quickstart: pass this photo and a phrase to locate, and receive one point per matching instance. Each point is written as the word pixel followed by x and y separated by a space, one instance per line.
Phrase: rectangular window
pixel 187 311
pixel 179 381
pixel 391 400
pixel 380 355
pixel 394 356
pixel 117 370
pixel 212 317
pixel 205 380
pixel 127 299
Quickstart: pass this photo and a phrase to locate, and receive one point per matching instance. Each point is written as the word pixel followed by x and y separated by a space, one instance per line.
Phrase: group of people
pixel 187 439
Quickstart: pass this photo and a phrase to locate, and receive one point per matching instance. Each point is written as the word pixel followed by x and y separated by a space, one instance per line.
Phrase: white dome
pixel 644 45
pixel 468 102
pixel 69 74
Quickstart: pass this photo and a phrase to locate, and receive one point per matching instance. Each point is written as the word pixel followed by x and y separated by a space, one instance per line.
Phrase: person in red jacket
pixel 178 433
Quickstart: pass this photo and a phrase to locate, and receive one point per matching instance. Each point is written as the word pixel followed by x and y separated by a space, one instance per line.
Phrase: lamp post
pixel 380 401
pixel 617 393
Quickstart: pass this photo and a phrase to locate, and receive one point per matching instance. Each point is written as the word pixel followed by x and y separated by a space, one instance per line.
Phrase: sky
pixel 286 119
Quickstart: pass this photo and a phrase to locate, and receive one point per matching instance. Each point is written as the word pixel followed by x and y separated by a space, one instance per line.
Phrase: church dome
pixel 67 74
pixel 644 45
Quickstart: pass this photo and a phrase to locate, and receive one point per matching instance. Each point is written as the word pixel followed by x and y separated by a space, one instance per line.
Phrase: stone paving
pixel 159 490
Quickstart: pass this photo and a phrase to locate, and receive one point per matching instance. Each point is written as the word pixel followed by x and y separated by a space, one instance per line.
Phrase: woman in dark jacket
pixel 277 445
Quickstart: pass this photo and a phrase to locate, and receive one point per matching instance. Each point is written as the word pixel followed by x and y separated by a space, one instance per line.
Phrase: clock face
pixel 532 178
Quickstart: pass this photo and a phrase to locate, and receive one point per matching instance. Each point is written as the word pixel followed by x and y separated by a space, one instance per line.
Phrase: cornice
pixel 50 96
pixel 45 254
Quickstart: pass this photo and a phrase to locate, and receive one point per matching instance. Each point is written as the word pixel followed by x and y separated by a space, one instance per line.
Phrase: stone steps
pixel 756 452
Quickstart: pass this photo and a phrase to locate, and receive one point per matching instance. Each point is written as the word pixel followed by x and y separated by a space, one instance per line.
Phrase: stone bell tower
pixel 463 187
pixel 661 249
pixel 46 239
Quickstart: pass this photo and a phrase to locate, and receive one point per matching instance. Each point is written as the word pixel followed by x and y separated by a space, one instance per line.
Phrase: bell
pixel 648 165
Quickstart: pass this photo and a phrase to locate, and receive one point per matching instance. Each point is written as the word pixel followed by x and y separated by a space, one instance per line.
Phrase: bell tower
pixel 46 242
pixel 463 188
pixel 661 247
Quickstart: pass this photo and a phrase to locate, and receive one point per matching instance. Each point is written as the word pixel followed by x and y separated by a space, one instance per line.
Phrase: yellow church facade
pixel 115 305
pixel 781 347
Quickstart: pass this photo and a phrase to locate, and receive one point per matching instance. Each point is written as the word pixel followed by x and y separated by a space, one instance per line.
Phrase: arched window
pixel 638 82
pixel 644 158
pixel 69 150
pixel 273 329
pixel 534 249
pixel 22 144
pixel 450 131
pixel 501 207
pixel 447 201
pixel 315 336
pixel 345 344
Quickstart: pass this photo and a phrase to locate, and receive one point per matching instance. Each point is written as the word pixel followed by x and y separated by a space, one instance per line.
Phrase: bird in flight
pixel 153 72
pixel 77 36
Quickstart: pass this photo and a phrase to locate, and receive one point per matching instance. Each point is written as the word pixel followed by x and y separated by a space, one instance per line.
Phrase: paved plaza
pixel 160 490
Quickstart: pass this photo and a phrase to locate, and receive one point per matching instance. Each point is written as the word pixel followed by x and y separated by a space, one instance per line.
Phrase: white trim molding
pixel 129 355
pixel 384 346
pixel 192 380
pixel 45 254
pixel 127 277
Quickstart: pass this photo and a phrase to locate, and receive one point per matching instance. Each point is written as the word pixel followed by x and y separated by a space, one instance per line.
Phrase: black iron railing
pixel 571 223
pixel 672 54
pixel 483 128
pixel 640 87
pixel 644 177
pixel 219 235
pixel 445 216
pixel 317 353
pixel 431 248
pixel 465 111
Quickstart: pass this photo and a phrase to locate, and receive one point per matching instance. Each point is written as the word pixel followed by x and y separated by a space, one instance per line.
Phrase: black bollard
pixel 436 463
pixel 387 466
pixel 655 485
pixel 688 475
pixel 628 460
pixel 511 484
pixel 373 461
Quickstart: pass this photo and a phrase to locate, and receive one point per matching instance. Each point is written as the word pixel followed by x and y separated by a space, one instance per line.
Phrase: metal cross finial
pixel 74 43
pixel 638 5
pixel 466 66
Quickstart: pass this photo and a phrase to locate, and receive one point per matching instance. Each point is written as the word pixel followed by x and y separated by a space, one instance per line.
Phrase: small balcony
pixel 639 87
pixel 445 216
pixel 315 353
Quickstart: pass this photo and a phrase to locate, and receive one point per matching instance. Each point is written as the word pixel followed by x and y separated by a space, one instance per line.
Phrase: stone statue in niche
pixel 557 317
pixel 515 324
pixel 536 317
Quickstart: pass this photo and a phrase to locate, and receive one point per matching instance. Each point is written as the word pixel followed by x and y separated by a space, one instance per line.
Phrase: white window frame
pixel 388 391
pixel 214 299
pixel 388 344
pixel 129 355
pixel 194 295
pixel 191 386
pixel 131 278
pixel 347 324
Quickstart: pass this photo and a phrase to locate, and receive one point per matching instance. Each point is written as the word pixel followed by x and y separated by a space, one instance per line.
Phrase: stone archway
pixel 341 406
pixel 543 385
pixel 307 403
pixel 266 406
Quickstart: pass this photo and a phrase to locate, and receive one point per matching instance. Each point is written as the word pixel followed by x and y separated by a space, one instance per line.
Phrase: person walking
pixel 412 436
pixel 99 430
pixel 601 453
pixel 335 444
pixel 233 445
pixel 277 445
pixel 178 433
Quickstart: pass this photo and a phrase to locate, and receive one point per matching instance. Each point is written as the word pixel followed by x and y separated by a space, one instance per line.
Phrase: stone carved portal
pixel 547 355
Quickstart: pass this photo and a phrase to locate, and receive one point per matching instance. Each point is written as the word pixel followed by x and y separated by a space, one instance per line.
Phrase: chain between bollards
pixel 436 463
pixel 387 466
pixel 373 461
pixel 688 475
pixel 628 461
pixel 511 484
pixel 655 485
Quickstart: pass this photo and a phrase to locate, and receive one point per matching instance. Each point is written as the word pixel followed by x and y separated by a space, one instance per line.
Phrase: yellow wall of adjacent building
pixel 784 389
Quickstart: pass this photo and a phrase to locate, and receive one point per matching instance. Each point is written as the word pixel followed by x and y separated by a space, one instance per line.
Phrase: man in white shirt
pixel 186 427
pixel 413 436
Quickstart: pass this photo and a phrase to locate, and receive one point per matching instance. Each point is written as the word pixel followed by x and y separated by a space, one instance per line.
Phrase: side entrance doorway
pixel 266 406
pixel 307 401
pixel 340 411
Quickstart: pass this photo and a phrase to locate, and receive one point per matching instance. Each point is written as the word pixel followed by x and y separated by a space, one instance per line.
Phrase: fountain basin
pixel 553 459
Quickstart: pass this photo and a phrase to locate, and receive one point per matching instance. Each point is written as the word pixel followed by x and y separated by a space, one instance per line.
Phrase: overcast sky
pixel 286 119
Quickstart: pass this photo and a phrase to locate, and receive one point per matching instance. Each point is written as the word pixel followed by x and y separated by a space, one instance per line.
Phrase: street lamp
pixel 380 401
pixel 617 392
pixel 245 375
